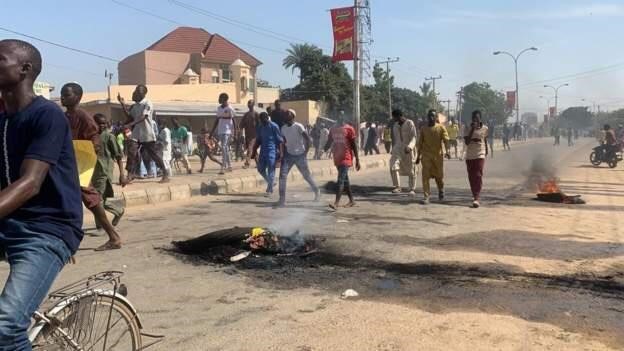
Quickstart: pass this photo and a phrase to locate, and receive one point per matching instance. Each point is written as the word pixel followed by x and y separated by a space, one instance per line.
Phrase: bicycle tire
pixel 48 338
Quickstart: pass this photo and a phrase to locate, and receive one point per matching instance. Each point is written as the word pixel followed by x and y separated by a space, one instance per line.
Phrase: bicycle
pixel 90 314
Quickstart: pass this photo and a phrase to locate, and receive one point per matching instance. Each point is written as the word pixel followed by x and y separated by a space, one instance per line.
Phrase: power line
pixel 281 52
pixel 579 75
pixel 147 13
pixel 84 52
pixel 251 28
pixel 81 51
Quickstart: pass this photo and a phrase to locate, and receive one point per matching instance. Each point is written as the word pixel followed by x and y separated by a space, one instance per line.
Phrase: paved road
pixel 512 275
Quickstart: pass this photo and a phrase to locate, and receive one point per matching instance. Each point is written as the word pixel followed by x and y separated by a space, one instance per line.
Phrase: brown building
pixel 210 56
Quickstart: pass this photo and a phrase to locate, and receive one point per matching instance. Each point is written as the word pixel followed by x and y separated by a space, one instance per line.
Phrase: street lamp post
pixel 515 58
pixel 556 96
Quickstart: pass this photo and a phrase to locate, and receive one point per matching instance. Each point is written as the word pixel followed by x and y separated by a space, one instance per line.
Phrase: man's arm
pixel 419 146
pixel 307 141
pixel 124 109
pixel 445 140
pixel 328 144
pixel 32 175
pixel 214 127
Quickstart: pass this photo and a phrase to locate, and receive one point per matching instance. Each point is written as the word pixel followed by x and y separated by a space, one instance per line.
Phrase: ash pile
pixel 250 247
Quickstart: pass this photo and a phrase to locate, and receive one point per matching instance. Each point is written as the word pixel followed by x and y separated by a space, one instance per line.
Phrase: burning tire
pixel 594 159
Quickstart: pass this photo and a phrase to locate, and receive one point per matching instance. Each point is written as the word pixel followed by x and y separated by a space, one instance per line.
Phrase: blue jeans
pixel 225 145
pixel 302 165
pixel 266 168
pixel 35 260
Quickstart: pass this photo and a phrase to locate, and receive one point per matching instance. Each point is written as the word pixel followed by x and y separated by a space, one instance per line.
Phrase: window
pixel 243 83
pixel 226 74
pixel 215 79
pixel 252 85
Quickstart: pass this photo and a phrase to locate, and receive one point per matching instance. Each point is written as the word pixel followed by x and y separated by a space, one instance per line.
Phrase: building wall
pixel 176 92
pixel 131 70
pixel 307 111
pixel 266 96
pixel 165 67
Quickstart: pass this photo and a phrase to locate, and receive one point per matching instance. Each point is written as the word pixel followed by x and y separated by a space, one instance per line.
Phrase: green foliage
pixel 480 96
pixel 577 117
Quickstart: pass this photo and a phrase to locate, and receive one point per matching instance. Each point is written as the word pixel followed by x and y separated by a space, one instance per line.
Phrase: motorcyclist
pixel 610 142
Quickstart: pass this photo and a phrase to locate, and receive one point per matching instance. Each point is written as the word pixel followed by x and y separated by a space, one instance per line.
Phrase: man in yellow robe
pixel 430 140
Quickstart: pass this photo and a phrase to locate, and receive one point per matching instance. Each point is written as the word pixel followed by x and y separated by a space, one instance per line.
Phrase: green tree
pixel 577 117
pixel 480 96
pixel 306 58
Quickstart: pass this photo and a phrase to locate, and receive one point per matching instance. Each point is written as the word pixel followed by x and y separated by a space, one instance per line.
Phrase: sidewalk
pixel 185 186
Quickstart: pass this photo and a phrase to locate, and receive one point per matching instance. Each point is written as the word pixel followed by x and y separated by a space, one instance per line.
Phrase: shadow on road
pixel 516 243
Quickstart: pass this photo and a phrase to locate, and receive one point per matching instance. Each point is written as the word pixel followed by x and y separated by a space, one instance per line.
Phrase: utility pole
pixel 356 68
pixel 108 75
pixel 460 106
pixel 435 97
pixel 388 62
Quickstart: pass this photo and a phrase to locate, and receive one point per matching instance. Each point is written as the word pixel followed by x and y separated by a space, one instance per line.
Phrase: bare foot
pixel 350 204
pixel 334 206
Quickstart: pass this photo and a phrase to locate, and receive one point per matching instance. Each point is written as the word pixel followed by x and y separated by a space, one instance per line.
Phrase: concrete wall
pixel 176 92
pixel 165 67
pixel 131 70
pixel 307 111
pixel 266 96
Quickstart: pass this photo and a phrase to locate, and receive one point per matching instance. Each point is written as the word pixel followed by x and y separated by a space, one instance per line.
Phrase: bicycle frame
pixel 72 293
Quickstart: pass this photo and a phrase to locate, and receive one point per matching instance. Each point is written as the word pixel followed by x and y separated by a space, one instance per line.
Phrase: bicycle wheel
pixel 94 322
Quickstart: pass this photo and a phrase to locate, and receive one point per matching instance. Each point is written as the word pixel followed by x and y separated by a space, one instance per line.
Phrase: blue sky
pixel 452 38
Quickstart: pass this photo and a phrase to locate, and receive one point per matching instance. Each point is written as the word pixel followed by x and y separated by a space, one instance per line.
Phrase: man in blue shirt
pixel 40 204
pixel 268 139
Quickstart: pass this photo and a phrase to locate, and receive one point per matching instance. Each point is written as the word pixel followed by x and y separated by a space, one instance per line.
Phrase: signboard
pixel 343 23
pixel 511 100
pixel 42 89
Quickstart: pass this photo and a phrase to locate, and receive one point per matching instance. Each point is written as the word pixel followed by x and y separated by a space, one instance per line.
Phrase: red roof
pixel 224 51
pixel 196 40
pixel 183 39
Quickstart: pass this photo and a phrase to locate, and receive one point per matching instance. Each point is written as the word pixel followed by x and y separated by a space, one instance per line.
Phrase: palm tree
pixel 304 57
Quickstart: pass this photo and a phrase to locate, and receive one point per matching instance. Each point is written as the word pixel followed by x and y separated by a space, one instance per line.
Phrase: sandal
pixel 108 246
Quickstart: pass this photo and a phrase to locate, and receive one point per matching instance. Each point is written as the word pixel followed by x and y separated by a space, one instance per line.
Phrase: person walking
pixel 403 159
pixel 453 132
pixel 322 141
pixel 570 136
pixel 430 140
pixel 387 137
pixel 268 139
pixel 108 155
pixel 179 139
pixel 371 140
pixel 206 146
pixel 491 128
pixel 476 152
pixel 166 144
pixel 295 150
pixel 342 140
pixel 139 121
pixel 225 127
pixel 248 125
pixel 506 137
pixel 83 127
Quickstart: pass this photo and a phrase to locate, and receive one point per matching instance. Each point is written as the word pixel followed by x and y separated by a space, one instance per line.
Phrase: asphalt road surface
pixel 511 275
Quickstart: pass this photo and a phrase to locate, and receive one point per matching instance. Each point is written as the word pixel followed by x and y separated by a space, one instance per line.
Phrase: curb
pixel 244 184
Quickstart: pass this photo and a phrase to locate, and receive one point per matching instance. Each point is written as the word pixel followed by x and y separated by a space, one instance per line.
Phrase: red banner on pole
pixel 511 100
pixel 552 111
pixel 343 23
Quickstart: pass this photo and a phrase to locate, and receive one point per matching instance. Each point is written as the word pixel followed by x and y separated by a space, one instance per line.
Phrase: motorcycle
pixel 601 154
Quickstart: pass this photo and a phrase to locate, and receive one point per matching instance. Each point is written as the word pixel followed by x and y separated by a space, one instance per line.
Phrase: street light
pixel 515 58
pixel 556 95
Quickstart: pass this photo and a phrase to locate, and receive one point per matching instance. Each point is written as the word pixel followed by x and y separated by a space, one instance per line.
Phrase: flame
pixel 550 186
